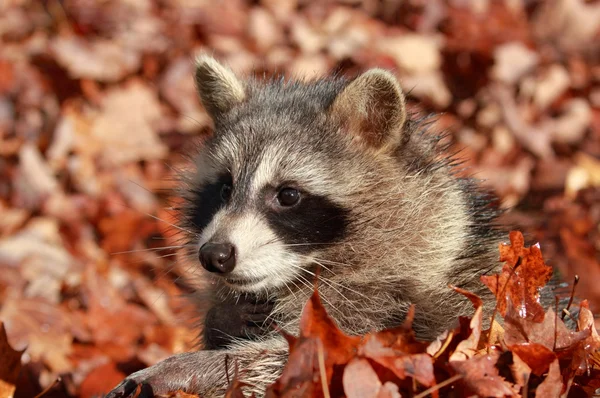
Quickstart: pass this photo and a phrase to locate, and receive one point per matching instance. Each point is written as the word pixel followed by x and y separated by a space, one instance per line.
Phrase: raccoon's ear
pixel 218 87
pixel 373 108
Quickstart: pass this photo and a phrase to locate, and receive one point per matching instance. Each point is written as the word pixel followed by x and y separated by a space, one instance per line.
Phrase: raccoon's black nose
pixel 218 257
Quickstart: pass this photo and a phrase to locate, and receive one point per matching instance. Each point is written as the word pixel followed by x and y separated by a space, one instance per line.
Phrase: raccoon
pixel 334 176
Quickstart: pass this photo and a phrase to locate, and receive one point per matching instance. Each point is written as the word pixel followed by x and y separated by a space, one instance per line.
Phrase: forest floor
pixel 98 108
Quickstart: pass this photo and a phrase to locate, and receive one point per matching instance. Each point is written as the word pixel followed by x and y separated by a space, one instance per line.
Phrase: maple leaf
pixel 537 356
pixel 398 350
pixel 524 273
pixel 314 354
pixel 552 386
pixel 10 365
pixel 481 376
pixel 520 370
pixel 551 332
pixel 361 381
pixel 588 349
pixel 467 348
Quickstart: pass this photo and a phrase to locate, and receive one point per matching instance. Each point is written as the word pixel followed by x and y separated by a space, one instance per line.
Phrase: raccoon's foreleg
pixel 205 372
pixel 228 321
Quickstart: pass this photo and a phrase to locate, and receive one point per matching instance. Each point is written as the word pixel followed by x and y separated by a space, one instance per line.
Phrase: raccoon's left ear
pixel 219 88
pixel 372 107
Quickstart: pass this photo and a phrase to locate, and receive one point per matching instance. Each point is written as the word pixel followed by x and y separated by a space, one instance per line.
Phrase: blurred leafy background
pixel 97 106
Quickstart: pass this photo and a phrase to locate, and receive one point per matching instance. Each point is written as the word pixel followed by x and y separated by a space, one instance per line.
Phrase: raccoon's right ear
pixel 219 89
pixel 372 108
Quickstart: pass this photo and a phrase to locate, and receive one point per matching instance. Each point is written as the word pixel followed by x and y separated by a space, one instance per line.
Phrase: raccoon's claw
pixel 159 379
pixel 128 387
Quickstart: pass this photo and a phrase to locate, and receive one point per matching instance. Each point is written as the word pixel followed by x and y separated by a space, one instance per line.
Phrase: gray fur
pixel 414 227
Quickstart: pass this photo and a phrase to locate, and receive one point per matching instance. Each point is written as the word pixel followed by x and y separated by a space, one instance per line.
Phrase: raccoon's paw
pixel 164 377
pixel 244 320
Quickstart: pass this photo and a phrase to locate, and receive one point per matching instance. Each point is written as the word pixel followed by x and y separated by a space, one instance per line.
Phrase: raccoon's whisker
pixel 328 283
pixel 313 244
pixel 322 260
pixel 150 249
pixel 324 298
pixel 193 120
pixel 170 224
pixel 291 291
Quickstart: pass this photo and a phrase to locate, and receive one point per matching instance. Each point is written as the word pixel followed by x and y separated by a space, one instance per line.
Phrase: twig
pixel 567 313
pixel 575 282
pixel 438 386
pixel 50 387
pixel 555 323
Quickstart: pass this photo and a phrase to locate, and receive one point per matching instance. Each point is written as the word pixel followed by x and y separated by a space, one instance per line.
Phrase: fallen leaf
pixel 467 348
pixel 482 377
pixel 521 284
pixel 10 365
pixel 537 356
pixel 360 380
pixel 552 386
pixel 551 332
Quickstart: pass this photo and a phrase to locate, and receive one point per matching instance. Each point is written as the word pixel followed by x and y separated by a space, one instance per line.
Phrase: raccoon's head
pixel 276 185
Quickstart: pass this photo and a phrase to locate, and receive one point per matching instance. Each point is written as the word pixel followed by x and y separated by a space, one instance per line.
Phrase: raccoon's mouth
pixel 242 283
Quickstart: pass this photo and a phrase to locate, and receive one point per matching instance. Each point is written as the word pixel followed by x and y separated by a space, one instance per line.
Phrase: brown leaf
pixel 588 350
pixel 102 60
pixel 417 366
pixel 467 348
pixel 521 284
pixel 520 371
pixel 10 365
pixel 482 377
pixel 100 380
pixel 398 350
pixel 551 332
pixel 552 386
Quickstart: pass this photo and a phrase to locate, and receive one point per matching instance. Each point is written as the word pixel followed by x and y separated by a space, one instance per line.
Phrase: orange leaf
pixel 523 275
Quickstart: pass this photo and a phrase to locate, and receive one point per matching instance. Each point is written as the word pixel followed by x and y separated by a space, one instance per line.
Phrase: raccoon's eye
pixel 226 192
pixel 288 197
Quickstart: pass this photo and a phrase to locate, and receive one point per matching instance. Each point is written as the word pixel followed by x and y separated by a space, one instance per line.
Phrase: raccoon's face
pixel 275 185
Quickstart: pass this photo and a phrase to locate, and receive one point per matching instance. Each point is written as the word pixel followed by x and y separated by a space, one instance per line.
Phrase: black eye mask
pixel 314 220
pixel 207 200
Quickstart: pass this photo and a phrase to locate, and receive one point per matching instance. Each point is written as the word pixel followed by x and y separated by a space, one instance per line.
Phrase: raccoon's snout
pixel 218 257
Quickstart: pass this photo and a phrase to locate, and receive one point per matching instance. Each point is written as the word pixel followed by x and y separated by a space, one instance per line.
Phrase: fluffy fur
pixel 384 216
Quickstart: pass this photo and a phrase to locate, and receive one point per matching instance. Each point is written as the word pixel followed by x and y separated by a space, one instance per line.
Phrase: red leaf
pixel 319 335
pixel 536 356
pixel 100 380
pixel 316 323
